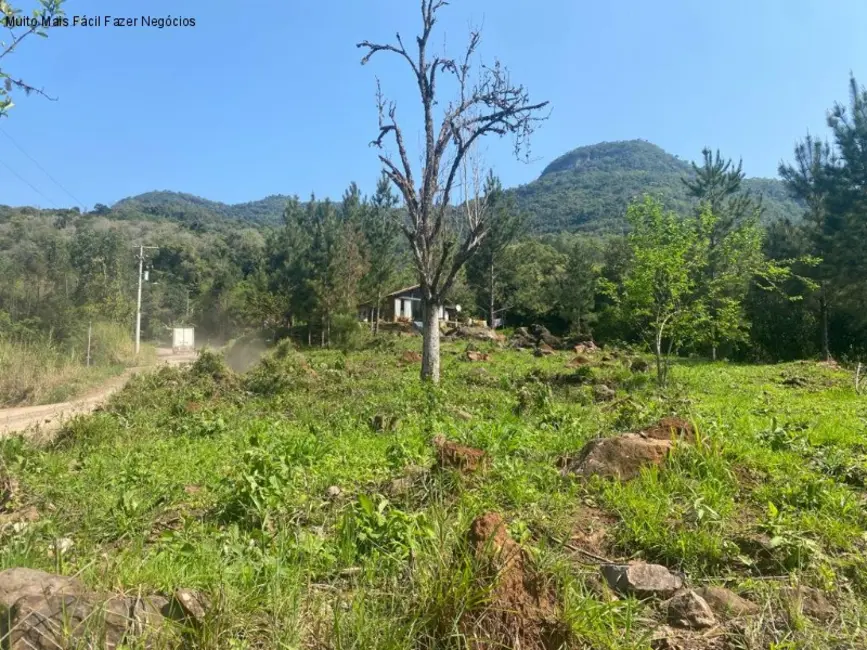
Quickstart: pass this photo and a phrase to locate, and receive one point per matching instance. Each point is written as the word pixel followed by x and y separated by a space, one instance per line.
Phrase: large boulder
pixel 641 579
pixel 542 335
pixel 19 582
pixel 42 611
pixel 620 457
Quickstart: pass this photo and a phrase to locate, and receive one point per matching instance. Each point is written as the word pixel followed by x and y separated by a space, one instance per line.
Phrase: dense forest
pixel 554 247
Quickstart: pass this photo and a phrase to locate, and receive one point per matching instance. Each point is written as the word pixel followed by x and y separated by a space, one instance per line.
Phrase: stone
pixel 726 603
pixel 602 393
pixel 20 582
pixel 37 622
pixel 639 365
pixel 400 486
pixel 810 601
pixel 689 610
pixel 620 457
pixel 193 603
pixel 333 492
pixel 543 350
pixel 641 579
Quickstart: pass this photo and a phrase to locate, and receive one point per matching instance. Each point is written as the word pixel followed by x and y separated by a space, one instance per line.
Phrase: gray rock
pixel 619 457
pixel 65 621
pixel 333 492
pixel 726 603
pixel 689 610
pixel 642 580
pixel 194 604
pixel 602 393
pixel 19 582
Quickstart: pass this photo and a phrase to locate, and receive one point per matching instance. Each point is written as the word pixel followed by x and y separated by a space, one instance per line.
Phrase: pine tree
pixel 483 270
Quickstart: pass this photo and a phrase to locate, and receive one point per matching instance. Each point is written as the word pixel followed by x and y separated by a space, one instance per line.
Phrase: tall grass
pixel 46 371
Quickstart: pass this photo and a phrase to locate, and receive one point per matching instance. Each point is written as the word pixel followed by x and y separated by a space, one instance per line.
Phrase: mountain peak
pixel 634 155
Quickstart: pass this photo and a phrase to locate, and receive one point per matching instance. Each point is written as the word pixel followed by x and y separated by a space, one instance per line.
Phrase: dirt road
pixel 42 420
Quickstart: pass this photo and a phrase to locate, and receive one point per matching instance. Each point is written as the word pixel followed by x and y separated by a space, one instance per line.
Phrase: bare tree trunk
pixel 713 352
pixel 430 356
pixel 492 313
pixel 823 307
pixel 376 313
pixel 661 365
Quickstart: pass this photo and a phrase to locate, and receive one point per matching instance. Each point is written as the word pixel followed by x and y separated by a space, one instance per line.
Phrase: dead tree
pixel 486 102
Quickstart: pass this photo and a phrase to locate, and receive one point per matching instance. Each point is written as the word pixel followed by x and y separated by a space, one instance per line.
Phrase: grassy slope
pixel 188 481
pixel 41 373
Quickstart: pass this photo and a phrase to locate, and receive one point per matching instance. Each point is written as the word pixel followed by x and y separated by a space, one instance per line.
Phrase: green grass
pixel 45 372
pixel 210 480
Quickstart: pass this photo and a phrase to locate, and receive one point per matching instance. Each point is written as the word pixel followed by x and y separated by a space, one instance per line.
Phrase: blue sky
pixel 269 97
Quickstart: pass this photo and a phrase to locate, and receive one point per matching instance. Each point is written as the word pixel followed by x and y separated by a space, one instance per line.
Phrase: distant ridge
pixel 588 188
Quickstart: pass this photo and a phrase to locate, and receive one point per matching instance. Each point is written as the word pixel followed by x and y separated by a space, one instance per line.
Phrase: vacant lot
pixel 329 500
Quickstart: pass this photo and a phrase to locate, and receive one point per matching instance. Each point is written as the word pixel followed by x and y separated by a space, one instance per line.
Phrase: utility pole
pixel 141 250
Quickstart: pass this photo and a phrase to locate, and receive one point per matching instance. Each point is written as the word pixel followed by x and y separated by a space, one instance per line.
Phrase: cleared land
pixel 328 500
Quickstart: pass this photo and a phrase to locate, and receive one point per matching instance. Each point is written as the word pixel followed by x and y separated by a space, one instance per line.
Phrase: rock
pixel 578 361
pixel 620 457
pixel 542 335
pixel 588 347
pixel 639 365
pixel 687 609
pixel 602 393
pixel 453 455
pixel 20 582
pixel 543 350
pixel 37 622
pixel 193 603
pixel 641 580
pixel 333 492
pixel 726 603
pixel 400 486
pixel 45 611
pixel 671 427
pixel 410 356
pixel 476 333
pixel 810 601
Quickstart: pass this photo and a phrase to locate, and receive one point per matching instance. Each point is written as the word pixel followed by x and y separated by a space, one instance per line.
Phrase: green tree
pixel 483 269
pixel 658 291
pixel 381 240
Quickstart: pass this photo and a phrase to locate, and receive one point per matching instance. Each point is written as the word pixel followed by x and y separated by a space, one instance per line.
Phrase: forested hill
pixel 193 210
pixel 588 189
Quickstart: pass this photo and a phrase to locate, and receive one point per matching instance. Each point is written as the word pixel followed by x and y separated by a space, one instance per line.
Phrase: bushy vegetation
pixel 305 496
pixel 43 371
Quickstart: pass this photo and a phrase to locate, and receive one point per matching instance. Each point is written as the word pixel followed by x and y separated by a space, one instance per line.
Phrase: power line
pixel 28 183
pixel 33 160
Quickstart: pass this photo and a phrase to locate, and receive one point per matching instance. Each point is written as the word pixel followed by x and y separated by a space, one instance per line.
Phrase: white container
pixel 183 339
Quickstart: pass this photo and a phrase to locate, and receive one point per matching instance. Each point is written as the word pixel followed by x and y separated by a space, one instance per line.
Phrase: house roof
pixel 404 290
